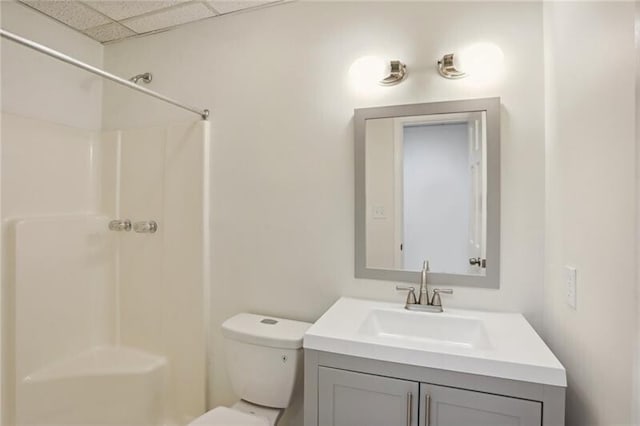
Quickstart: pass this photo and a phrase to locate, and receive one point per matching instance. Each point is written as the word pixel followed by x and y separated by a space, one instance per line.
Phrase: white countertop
pixel 500 345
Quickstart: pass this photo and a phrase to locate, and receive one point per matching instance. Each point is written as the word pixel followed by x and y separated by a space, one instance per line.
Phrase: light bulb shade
pixel 366 72
pixel 483 62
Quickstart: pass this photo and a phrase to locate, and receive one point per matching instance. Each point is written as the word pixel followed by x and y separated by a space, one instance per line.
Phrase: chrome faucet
pixel 424 290
pixel 424 303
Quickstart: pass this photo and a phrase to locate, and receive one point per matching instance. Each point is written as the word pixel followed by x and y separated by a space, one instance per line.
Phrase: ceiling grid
pixel 108 21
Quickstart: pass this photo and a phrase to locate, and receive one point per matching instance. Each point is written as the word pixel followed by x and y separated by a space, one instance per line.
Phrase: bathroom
pixel 256 206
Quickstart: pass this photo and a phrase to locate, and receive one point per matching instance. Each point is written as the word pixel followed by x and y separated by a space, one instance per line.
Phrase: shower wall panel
pixel 162 275
pixel 47 168
pixel 58 278
pixel 63 299
pixel 94 312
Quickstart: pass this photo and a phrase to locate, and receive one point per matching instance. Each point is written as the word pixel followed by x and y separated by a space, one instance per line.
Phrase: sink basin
pixel 425 328
pixel 495 344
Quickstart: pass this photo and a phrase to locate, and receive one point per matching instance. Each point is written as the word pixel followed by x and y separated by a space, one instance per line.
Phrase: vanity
pixel 370 363
pixel 427 196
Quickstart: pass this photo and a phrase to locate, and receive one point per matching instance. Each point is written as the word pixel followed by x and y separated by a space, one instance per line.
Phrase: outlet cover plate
pixel 571 284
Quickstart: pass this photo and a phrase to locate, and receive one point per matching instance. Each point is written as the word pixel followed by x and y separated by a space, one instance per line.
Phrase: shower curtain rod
pixel 68 59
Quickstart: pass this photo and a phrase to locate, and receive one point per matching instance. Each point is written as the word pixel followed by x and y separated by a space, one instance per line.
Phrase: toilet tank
pixel 264 357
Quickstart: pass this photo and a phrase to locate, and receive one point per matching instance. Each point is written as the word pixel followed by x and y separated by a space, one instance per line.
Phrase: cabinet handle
pixel 427 410
pixel 409 407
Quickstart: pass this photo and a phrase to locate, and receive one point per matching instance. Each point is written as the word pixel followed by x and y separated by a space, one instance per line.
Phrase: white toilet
pixel 264 363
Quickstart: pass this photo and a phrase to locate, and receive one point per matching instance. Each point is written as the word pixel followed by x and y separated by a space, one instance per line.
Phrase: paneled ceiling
pixel 110 20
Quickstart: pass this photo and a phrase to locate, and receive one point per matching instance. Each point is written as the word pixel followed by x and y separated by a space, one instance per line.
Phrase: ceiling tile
pixel 118 10
pixel 169 18
pixel 109 32
pixel 227 6
pixel 99 19
pixel 72 13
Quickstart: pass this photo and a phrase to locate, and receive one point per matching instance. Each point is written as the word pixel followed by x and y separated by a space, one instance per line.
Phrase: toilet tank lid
pixel 265 330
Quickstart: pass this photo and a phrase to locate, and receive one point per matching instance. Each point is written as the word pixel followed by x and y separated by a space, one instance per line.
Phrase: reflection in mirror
pixel 427 181
pixel 426 192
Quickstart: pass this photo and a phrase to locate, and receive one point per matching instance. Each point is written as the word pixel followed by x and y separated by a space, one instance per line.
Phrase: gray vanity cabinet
pixel 343 390
pixel 347 398
pixel 446 406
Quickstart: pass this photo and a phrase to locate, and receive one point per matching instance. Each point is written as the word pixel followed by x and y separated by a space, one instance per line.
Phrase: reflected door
pixel 477 206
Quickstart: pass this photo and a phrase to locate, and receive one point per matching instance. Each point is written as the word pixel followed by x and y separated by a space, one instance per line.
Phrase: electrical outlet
pixel 571 283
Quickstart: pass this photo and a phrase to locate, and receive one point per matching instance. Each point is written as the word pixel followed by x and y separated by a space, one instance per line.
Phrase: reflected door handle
pixel 476 261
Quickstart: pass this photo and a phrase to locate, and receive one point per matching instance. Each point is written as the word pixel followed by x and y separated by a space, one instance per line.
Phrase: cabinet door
pixel 444 406
pixel 346 398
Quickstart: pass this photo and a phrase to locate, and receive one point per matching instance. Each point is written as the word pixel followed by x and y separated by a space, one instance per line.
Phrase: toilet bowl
pixel 264 364
pixel 229 417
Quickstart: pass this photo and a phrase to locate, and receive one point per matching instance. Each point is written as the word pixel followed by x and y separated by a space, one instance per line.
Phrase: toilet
pixel 264 363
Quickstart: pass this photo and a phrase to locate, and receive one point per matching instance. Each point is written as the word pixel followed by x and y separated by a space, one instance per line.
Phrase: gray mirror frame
pixel 491 106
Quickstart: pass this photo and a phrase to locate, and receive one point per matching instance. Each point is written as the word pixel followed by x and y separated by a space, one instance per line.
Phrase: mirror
pixel 428 188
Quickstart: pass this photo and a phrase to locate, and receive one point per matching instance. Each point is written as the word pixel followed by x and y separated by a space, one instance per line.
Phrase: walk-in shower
pixel 105 263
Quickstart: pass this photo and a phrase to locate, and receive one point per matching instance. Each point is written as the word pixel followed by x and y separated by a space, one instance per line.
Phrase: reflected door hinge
pixel 476 261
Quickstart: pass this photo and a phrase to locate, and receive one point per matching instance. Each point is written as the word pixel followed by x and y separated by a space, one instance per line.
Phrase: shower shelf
pixel 100 361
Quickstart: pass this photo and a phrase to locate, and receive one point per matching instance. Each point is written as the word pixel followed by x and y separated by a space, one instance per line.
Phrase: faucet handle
pixel 146 227
pixel 120 225
pixel 411 295
pixel 435 300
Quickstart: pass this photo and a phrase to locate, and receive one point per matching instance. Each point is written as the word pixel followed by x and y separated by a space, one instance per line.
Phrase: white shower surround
pixel 97 312
pixel 85 187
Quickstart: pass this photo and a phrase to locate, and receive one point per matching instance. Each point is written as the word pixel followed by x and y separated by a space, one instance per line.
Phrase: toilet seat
pixel 223 416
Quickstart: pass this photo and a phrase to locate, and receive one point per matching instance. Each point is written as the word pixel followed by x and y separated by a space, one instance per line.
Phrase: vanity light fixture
pixel 447 69
pixel 397 74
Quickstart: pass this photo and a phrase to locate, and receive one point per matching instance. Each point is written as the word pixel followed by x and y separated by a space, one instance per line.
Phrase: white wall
pixel 276 81
pixel 35 85
pixel 590 219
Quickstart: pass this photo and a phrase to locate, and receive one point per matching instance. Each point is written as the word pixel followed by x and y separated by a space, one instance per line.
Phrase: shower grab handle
pixel 146 227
